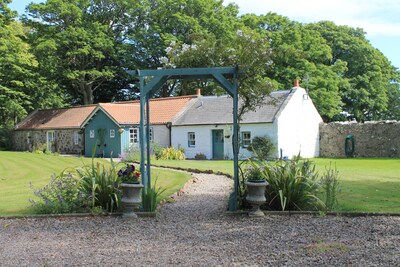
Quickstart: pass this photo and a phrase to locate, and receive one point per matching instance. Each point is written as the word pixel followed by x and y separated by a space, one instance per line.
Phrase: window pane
pixel 191 139
pixel 246 139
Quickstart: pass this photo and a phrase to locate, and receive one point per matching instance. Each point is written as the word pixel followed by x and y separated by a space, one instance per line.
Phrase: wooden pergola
pixel 151 82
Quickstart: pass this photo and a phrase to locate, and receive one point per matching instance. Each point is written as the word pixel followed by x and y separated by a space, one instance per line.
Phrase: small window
pixel 76 138
pixel 134 135
pixel 91 133
pixel 112 133
pixel 28 138
pixel 191 139
pixel 246 139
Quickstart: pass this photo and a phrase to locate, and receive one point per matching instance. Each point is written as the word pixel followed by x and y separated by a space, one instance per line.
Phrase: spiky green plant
pixel 100 185
pixel 330 187
pixel 151 197
pixel 293 185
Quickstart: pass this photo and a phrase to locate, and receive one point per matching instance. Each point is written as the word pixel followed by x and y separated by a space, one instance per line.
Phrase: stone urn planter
pixel 131 198
pixel 256 196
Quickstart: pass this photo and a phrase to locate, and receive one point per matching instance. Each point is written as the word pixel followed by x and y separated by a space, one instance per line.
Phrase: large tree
pixel 368 73
pixel 81 43
pixel 22 89
pixel 170 22
pixel 301 53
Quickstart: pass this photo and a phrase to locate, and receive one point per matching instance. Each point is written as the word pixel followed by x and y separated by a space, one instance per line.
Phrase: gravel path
pixel 195 231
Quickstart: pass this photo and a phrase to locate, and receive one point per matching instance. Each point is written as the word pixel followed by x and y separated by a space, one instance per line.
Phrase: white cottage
pixel 288 117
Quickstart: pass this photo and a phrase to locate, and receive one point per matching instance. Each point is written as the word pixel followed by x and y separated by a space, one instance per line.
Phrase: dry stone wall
pixel 372 139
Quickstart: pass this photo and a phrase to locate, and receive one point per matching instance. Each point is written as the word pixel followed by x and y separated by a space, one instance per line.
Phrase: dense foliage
pixel 261 147
pixel 78 51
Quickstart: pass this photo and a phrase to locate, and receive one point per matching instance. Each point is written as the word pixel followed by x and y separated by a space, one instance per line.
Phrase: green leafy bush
pixel 170 153
pixel 5 138
pixel 261 147
pixel 200 156
pixel 60 195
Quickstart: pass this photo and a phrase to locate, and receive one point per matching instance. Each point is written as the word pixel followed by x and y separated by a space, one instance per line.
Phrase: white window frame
pixel 112 133
pixel 76 138
pixel 91 133
pixel 246 141
pixel 191 139
pixel 50 139
pixel 133 135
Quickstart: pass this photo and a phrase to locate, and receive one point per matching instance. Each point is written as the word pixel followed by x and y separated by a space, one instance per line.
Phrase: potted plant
pixel 256 185
pixel 131 190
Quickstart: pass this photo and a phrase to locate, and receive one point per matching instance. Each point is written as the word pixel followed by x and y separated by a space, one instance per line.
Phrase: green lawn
pixel 18 169
pixel 371 185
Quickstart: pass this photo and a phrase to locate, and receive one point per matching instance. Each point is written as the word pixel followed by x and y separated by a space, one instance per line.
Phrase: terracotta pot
pixel 131 198
pixel 256 196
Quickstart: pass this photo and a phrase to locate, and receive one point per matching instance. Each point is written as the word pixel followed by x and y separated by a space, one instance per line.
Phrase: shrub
pixel 132 153
pixel 261 147
pixel 170 153
pixel 200 156
pixel 5 138
pixel 60 195
pixel 100 186
pixel 293 185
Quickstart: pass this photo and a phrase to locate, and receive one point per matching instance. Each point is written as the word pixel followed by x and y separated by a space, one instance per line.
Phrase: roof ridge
pixel 156 99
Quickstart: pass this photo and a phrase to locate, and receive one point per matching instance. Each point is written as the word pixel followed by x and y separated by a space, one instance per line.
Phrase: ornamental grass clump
pixel 151 195
pixel 293 185
pixel 330 188
pixel 100 185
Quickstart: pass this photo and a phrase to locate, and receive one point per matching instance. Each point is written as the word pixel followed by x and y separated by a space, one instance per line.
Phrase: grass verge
pixel 19 169
pixel 367 185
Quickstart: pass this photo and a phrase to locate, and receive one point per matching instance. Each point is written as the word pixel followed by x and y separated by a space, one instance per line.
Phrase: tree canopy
pixel 67 52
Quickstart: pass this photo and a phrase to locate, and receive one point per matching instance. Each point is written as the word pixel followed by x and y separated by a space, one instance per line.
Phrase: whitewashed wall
pixel 204 138
pixel 298 126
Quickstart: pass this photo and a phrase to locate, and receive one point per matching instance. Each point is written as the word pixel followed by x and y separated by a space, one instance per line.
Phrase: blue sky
pixel 379 18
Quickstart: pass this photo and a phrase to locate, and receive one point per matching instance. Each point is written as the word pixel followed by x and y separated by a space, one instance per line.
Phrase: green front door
pixel 218 144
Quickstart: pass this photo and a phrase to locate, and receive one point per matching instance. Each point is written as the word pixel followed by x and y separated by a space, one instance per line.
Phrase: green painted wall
pixel 100 122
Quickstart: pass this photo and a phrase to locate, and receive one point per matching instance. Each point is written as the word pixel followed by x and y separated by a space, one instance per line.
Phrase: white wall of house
pixel 298 126
pixel 203 134
pixel 295 130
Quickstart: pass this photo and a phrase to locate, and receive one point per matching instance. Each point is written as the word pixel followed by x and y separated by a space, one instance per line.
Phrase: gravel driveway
pixel 195 231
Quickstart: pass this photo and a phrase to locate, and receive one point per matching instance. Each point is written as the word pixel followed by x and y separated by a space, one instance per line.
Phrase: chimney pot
pixel 296 83
pixel 198 92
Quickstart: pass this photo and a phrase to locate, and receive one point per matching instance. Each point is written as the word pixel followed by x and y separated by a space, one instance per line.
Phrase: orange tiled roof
pixel 162 110
pixel 62 118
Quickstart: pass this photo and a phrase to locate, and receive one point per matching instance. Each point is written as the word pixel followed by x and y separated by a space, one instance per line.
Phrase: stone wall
pixel 28 140
pixel 372 139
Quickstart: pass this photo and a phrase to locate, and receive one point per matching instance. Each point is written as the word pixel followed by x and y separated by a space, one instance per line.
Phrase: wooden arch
pixel 155 79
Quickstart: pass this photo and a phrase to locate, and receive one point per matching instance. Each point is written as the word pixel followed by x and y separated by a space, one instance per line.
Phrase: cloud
pixel 376 17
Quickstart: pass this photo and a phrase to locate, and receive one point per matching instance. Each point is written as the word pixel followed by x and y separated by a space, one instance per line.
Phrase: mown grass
pixel 370 185
pixel 19 169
